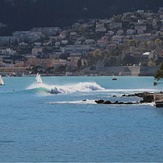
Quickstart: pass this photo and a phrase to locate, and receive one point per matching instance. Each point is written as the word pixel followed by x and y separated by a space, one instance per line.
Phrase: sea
pixel 37 126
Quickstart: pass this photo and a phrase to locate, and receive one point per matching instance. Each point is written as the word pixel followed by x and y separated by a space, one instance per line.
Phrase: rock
pixel 139 94
pixel 159 104
pixel 99 101
pixel 142 101
pixel 107 102
pixel 116 102
pixel 129 103
pixel 132 95
pixel 158 97
pixel 148 97
pixel 120 102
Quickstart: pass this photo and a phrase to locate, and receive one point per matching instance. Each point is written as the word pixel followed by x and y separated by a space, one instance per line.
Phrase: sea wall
pixel 122 70
pixel 11 70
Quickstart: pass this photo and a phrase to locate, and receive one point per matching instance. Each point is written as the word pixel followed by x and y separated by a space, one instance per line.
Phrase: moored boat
pixel 114 78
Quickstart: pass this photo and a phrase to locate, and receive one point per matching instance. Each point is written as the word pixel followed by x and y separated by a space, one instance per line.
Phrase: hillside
pixel 25 14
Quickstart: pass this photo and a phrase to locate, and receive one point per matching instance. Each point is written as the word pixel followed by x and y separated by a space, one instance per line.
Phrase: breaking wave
pixel 71 88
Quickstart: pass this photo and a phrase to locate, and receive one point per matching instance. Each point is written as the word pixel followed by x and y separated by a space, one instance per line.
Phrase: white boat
pixel 1 81
pixel 38 78
pixel 114 78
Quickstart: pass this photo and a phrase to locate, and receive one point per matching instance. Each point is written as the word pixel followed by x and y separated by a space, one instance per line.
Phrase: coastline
pixel 98 71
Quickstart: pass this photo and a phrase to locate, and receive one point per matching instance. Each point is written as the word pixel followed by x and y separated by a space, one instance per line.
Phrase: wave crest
pixel 70 88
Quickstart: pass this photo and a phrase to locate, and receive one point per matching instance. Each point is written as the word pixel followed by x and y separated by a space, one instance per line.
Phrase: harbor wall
pixel 122 70
pixel 12 70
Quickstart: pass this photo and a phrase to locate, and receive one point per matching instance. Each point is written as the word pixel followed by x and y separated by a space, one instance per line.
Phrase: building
pixel 48 31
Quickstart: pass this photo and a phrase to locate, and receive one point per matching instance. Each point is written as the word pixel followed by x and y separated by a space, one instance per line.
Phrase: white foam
pixel 74 102
pixel 150 104
pixel 78 87
pixel 131 90
pixel 92 102
pixel 38 85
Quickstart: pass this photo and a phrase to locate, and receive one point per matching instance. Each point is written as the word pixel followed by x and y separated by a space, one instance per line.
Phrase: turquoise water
pixel 38 126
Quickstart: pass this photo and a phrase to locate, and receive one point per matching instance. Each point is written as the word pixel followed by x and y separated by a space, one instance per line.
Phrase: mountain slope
pixel 25 14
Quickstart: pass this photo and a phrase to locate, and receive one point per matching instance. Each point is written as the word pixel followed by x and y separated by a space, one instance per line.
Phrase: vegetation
pixel 159 73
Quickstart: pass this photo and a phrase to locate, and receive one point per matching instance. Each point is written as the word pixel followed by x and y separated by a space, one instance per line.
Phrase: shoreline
pixel 99 71
pixel 90 75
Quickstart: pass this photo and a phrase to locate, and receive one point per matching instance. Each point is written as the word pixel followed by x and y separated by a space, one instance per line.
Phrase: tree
pixel 159 73
pixel 151 62
pixel 96 55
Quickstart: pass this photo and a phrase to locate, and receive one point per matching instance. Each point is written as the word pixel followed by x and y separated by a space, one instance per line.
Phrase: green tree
pixel 159 73
pixel 151 62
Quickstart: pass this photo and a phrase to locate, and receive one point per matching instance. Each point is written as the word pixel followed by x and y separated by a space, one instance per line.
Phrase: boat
pixel 155 83
pixel 1 81
pixel 38 78
pixel 114 78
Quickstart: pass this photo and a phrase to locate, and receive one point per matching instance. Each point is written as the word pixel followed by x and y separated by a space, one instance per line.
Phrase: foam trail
pixel 131 90
pixel 74 102
pixel 92 102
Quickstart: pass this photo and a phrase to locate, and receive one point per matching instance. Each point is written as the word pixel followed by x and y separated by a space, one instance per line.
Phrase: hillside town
pixel 127 44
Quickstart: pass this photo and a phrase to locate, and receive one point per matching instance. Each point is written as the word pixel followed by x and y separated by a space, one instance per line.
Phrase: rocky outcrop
pixel 147 97
pixel 132 95
pixel 114 102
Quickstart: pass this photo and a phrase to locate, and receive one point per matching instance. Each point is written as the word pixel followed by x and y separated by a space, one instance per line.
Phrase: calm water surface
pixel 37 126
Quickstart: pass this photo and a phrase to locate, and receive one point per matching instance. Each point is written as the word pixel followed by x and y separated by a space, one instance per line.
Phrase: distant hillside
pixel 25 14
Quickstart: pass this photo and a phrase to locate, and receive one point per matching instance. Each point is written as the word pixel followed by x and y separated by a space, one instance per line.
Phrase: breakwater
pixel 147 97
